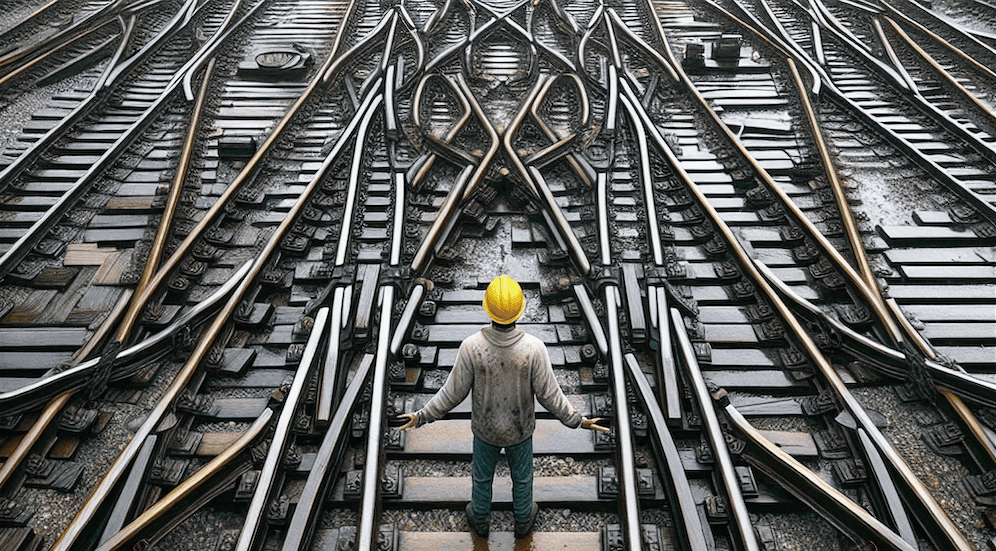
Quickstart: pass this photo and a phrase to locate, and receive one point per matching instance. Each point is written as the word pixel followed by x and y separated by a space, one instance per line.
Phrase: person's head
pixel 503 301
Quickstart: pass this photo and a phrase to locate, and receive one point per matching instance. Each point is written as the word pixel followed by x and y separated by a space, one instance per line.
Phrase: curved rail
pixel 928 509
pixel 106 486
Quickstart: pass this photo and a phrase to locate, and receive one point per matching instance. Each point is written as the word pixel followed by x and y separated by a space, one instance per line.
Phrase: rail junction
pixel 239 237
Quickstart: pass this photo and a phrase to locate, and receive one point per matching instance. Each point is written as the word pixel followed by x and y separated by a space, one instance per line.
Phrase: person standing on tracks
pixel 505 368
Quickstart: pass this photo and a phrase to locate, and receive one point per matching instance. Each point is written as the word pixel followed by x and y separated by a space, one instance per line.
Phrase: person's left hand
pixel 412 420
pixel 590 424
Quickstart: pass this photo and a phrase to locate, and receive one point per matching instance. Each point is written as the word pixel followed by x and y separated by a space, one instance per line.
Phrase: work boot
pixel 481 531
pixel 522 529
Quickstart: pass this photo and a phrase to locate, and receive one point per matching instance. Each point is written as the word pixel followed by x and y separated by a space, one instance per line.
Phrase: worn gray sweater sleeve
pixel 548 391
pixel 456 389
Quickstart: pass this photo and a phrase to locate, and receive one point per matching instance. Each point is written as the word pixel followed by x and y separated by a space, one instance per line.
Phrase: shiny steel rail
pixel 968 419
pixel 927 508
pixel 105 487
pixel 33 235
pixel 830 503
pixel 985 208
pixel 207 483
pixel 302 525
pixel 252 526
pixel 714 433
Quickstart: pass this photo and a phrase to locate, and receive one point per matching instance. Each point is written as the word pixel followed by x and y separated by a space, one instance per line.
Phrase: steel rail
pixel 961 410
pixel 944 43
pixel 54 407
pixel 98 92
pixel 420 52
pixel 576 162
pixel 531 176
pixel 39 59
pixel 188 75
pixel 190 495
pixel 328 459
pixel 390 105
pixel 355 174
pixel 432 24
pixel 929 511
pixel 445 218
pixel 366 530
pixel 512 128
pixel 829 21
pixel 714 433
pixel 629 504
pixel 252 527
pixel 886 360
pixel 857 247
pixel 824 499
pixel 179 21
pixel 127 363
pixel 612 103
pixel 983 441
pixel 563 19
pixel 486 27
pixel 670 395
pixel 656 247
pixel 560 223
pixel 248 172
pixel 863 6
pixel 127 28
pixel 466 112
pixel 31 154
pixel 947 23
pixel 30 438
pixel 986 111
pixel 466 183
pixel 324 408
pixel 602 205
pixel 67 34
pixel 37 231
pixel 105 487
pixel 7 35
pixel 827 501
pixel 862 265
pixel 340 312
pixel 553 152
pixel 594 325
pixel 361 47
pixel 408 314
pixel 176 187
pixel 690 529
pixel 890 53
pixel 789 206
pixel 582 48
pixel 400 202
pixel 929 109
pixel 957 187
pixel 815 67
pixel 642 45
pixel 535 45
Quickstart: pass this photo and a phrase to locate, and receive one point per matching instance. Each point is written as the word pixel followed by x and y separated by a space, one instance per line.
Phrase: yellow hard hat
pixel 503 300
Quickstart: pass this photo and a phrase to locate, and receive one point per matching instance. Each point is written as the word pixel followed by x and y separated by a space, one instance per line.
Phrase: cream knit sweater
pixel 505 369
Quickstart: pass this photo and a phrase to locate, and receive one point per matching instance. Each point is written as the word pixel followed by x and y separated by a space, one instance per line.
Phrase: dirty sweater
pixel 505 369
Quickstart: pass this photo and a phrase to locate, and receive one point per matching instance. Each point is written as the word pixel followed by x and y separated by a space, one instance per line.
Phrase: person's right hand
pixel 412 420
pixel 590 424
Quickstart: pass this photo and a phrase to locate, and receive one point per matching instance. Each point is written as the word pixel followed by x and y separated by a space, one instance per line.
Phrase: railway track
pixel 256 232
